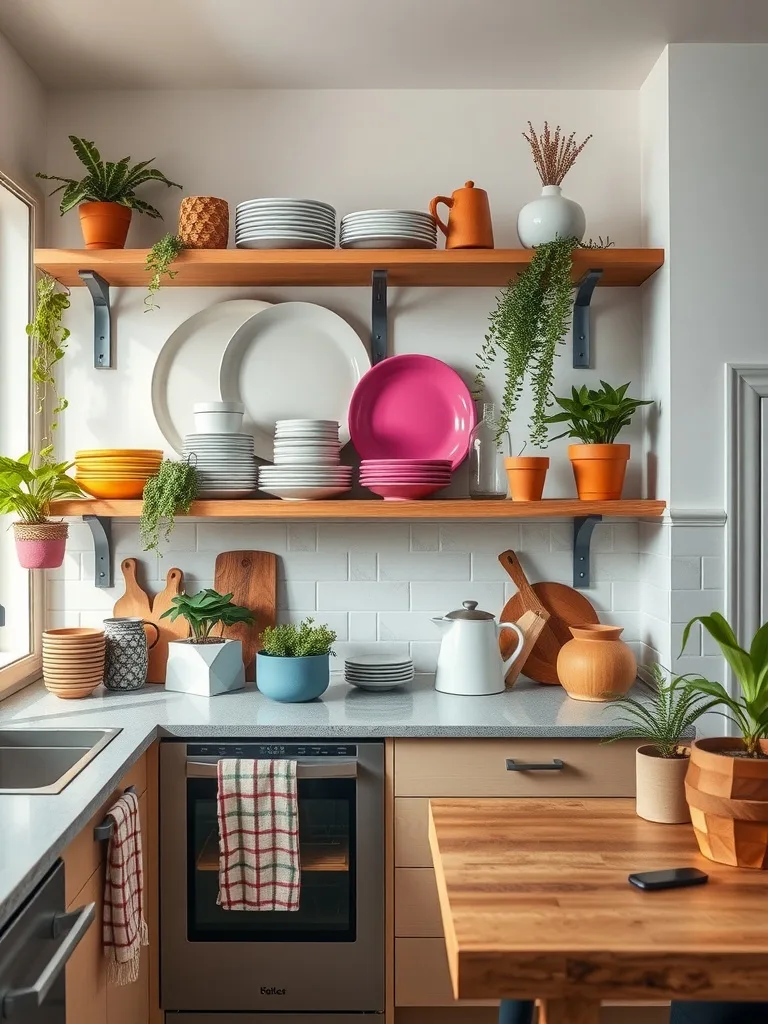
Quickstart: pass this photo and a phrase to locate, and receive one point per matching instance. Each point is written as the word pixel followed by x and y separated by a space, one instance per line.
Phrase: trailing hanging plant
pixel 166 495
pixel 159 259
pixel 107 182
pixel 531 318
pixel 48 338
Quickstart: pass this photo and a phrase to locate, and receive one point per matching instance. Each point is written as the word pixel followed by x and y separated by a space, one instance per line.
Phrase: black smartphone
pixel 673 878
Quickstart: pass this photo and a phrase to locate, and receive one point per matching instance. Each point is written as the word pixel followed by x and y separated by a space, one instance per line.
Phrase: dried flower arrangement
pixel 553 154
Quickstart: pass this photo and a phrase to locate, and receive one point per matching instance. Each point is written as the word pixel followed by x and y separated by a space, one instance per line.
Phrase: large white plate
pixel 387 242
pixel 187 366
pixel 285 242
pixel 303 360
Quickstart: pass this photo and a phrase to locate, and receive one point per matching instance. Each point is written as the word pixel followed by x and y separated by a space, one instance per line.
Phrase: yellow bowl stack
pixel 116 472
pixel 73 661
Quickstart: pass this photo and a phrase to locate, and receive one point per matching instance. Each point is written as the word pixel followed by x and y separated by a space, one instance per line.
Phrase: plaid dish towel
pixel 258 816
pixel 124 927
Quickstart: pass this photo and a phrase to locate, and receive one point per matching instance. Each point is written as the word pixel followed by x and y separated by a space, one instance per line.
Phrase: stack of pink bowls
pixel 405 479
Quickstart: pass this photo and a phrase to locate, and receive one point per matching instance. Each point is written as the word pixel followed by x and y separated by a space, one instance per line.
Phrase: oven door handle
pixel 346 769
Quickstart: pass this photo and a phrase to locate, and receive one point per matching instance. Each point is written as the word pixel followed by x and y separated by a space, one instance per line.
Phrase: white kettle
pixel 470 662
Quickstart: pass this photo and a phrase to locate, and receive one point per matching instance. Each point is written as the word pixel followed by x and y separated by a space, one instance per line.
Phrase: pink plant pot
pixel 40 546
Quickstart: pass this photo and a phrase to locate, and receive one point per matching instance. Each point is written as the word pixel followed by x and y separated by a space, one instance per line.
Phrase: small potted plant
pixel 596 418
pixel 27 492
pixel 727 781
pixel 551 216
pixel 294 663
pixel 661 763
pixel 106 196
pixel 204 664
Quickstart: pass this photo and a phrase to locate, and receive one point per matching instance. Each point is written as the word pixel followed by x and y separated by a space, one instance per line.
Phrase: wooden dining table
pixel 536 904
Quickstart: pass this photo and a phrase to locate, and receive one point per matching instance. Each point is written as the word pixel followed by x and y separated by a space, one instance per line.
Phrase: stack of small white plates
pixel 225 464
pixel 306 462
pixel 285 224
pixel 388 229
pixel 378 671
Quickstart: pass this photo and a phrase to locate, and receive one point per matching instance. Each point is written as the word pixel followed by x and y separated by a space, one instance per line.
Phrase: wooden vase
pixel 728 800
pixel 596 665
pixel 660 786
pixel 204 222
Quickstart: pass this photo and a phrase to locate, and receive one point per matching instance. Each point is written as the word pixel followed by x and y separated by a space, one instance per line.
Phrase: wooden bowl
pixel 72 632
pixel 70 692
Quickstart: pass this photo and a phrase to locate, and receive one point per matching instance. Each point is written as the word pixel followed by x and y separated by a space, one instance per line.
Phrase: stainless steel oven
pixel 326 957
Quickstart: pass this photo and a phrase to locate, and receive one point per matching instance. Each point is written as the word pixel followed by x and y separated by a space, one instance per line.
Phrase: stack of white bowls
pixel 388 229
pixel 225 464
pixel 306 462
pixel 378 671
pixel 285 224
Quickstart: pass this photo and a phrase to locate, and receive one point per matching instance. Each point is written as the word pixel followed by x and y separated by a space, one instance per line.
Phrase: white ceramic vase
pixel 549 217
pixel 205 669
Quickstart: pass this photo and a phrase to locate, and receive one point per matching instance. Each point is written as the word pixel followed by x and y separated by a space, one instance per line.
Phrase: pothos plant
pixel 159 260
pixel 166 495
pixel 48 339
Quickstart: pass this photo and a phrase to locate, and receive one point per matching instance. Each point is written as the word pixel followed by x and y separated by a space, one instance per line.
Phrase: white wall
pixel 22 118
pixel 356 150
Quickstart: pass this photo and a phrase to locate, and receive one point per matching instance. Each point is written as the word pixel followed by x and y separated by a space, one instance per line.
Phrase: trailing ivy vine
pixel 166 495
pixel 48 338
pixel 159 259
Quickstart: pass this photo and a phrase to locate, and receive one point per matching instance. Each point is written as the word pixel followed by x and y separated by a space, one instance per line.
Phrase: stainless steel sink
pixel 46 760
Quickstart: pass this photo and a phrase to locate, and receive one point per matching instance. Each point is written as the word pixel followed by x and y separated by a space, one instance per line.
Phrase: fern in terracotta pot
pixel 597 418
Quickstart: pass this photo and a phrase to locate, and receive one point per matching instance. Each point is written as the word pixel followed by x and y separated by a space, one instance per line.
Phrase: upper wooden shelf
pixel 551 508
pixel 622 268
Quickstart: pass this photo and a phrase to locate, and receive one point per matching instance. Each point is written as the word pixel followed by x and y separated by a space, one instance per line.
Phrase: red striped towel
pixel 124 927
pixel 258 816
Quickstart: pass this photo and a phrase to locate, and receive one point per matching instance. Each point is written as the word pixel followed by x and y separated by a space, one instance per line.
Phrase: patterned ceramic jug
pixel 127 653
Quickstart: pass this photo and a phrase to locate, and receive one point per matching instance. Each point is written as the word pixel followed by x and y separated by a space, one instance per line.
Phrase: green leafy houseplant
pixel 596 417
pixel 662 719
pixel 166 495
pixel 159 259
pixel 749 710
pixel 48 340
pixel 106 182
pixel 303 641
pixel 27 492
pixel 204 611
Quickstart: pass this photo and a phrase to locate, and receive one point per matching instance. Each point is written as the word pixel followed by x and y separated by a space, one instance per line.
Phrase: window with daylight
pixel 20 594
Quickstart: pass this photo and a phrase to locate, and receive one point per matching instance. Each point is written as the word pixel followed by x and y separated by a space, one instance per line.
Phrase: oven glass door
pixel 327 851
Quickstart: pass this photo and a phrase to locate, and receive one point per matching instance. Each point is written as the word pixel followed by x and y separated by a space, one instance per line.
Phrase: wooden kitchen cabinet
pixel 86 969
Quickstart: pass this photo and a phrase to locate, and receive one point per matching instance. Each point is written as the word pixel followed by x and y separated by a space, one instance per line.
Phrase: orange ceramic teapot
pixel 469 222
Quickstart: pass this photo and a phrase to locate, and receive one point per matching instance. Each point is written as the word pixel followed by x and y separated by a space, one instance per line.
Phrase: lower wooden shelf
pixel 462 508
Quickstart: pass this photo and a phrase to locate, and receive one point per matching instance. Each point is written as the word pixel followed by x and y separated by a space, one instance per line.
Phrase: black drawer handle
pixel 555 765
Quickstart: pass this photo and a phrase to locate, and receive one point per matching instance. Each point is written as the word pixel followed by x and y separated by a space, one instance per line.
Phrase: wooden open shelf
pixel 464 508
pixel 330 856
pixel 622 268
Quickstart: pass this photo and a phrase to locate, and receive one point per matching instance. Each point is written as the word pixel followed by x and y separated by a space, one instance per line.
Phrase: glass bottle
pixel 487 477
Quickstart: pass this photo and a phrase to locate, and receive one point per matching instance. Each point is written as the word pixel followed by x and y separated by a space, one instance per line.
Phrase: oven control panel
pixel 271 750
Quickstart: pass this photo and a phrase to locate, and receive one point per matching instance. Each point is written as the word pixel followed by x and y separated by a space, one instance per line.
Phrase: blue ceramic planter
pixel 292 680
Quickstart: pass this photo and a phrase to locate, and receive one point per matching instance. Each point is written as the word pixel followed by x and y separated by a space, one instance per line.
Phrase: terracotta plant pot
pixel 596 665
pixel 661 786
pixel 728 800
pixel 526 476
pixel 40 545
pixel 104 225
pixel 204 222
pixel 599 470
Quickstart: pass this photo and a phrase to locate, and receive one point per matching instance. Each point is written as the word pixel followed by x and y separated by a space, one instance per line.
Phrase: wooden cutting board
pixel 566 607
pixel 251 578
pixel 134 602
pixel 178 630
pixel 531 624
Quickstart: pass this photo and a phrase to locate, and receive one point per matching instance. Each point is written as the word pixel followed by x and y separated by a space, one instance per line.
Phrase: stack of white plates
pixel 285 224
pixel 225 463
pixel 306 462
pixel 378 671
pixel 388 229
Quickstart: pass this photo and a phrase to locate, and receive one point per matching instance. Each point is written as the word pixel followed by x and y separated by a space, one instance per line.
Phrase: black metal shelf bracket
pixel 101 531
pixel 582 540
pixel 581 319
pixel 378 316
pixel 102 318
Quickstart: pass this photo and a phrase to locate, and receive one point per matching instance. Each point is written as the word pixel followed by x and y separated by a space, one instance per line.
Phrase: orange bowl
pixel 119 453
pixel 129 474
pixel 73 633
pixel 101 488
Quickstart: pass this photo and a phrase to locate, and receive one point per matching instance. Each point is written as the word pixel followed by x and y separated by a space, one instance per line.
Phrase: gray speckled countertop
pixel 35 829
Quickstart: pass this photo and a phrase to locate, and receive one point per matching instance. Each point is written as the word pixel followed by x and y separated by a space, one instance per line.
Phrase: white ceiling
pixel 475 44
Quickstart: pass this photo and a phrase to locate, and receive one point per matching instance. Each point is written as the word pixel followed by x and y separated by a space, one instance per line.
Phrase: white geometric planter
pixel 205 669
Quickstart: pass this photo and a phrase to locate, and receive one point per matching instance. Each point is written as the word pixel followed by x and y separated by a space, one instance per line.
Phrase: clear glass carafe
pixel 487 477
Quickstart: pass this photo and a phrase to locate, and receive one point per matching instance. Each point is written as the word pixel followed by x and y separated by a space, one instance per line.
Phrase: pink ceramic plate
pixel 411 407
pixel 414 463
pixel 405 478
pixel 404 492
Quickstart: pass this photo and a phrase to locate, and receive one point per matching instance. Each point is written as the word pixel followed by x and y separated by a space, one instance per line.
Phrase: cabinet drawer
pixel 417 907
pixel 84 854
pixel 422 977
pixel 478 768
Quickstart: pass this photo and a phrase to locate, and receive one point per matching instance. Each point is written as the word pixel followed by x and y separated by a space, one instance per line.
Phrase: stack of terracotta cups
pixel 73 661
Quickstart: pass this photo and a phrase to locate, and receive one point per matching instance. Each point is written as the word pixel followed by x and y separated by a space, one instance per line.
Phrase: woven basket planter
pixel 40 545
pixel 204 222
